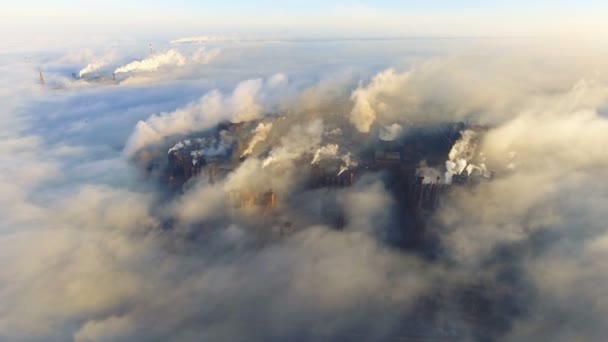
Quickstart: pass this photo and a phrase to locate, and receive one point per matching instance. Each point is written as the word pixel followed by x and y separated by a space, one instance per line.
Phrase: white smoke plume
pixel 91 67
pixel 202 114
pixel 465 148
pixel 348 162
pixel 97 63
pixel 461 154
pixel 391 132
pixel 299 141
pixel 430 174
pixel 207 146
pixel 414 96
pixel 179 145
pixel 169 58
pixel 330 151
pixel 327 151
pixel 369 100
pixel 247 102
pixel 260 134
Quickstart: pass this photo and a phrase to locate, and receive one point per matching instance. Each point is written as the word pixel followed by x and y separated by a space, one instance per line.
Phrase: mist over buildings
pixel 99 243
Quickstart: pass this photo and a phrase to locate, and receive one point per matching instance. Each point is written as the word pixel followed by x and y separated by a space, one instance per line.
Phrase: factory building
pixel 216 153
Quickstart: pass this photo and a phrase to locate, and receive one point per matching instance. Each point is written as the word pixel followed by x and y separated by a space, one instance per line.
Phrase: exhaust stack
pixel 41 78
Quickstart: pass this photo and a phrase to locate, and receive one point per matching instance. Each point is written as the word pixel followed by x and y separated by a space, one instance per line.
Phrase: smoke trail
pixel 330 151
pixel 461 154
pixel 247 102
pixel 430 174
pixel 261 133
pixel 153 63
pixel 91 67
pixel 199 115
pixel 299 141
pixel 369 100
pixel 327 151
pixel 348 163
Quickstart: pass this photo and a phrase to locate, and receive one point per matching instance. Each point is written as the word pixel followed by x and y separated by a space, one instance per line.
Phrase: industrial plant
pixel 417 167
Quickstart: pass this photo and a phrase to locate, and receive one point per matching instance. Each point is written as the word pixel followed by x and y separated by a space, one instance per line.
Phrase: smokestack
pixel 436 189
pixel 114 76
pixel 41 78
pixel 150 45
pixel 419 190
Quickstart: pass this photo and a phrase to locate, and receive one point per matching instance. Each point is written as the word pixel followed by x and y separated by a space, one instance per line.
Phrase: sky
pixel 312 5
pixel 308 19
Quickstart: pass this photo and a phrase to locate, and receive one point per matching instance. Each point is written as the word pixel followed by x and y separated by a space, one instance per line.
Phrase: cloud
pixel 204 56
pixel 482 89
pixel 94 248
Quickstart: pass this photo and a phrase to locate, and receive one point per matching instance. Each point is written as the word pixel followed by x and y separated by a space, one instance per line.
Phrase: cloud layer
pixel 94 250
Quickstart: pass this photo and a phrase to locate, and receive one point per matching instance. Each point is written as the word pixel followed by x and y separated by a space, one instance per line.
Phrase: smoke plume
pixel 170 58
pixel 91 67
pixel 261 132
pixel 369 99
pixel 327 151
pixel 247 102
pixel 300 140
pixel 155 62
pixel 461 154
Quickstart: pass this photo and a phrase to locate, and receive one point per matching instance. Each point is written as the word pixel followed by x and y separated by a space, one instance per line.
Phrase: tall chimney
pixel 419 194
pixel 41 78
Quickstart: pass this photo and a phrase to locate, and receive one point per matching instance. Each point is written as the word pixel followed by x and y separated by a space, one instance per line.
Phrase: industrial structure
pixel 41 77
pixel 218 152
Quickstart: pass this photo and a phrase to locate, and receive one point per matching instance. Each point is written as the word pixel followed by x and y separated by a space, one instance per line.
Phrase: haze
pixel 355 171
